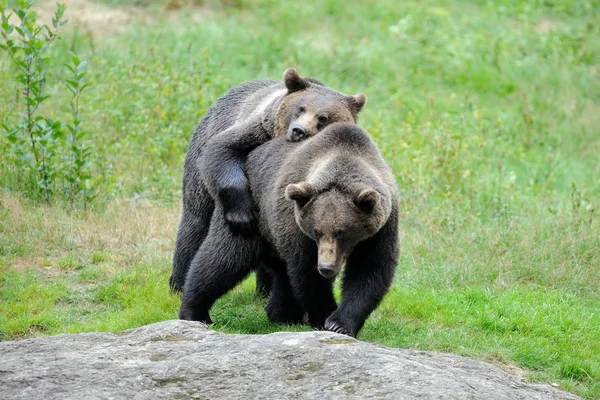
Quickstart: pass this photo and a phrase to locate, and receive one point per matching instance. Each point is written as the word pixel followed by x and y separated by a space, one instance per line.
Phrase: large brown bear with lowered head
pixel 247 116
pixel 326 204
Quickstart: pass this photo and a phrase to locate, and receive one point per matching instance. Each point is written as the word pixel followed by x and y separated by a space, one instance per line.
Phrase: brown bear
pixel 247 116
pixel 323 203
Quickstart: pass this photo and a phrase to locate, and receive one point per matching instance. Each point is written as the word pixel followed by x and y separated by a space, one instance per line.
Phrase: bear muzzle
pixel 327 270
pixel 303 127
pixel 297 133
pixel 330 258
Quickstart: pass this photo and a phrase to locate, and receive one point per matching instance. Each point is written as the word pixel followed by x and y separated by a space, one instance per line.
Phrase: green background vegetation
pixel 487 111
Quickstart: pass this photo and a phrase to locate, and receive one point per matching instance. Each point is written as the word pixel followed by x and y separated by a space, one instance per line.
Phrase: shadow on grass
pixel 242 311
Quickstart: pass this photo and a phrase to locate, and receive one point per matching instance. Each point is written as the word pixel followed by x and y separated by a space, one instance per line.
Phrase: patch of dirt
pixel 47 266
pixel 545 26
pixel 35 330
pixel 104 20
pixel 508 367
pixel 23 263
pixel 95 17
pixel 12 206
pixel 59 241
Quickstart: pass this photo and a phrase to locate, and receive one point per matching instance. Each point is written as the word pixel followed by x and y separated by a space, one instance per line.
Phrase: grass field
pixel 488 113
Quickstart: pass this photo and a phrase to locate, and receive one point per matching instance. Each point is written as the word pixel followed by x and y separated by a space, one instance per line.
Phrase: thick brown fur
pixel 323 203
pixel 247 116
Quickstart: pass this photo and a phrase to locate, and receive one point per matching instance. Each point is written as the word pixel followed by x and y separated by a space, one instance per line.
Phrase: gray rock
pixel 185 360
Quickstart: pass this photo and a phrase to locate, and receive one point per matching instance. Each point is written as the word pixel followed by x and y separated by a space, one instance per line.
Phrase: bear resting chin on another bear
pixel 295 210
pixel 247 116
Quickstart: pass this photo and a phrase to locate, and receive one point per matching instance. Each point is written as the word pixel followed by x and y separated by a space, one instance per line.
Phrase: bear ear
pixel 293 81
pixel 357 102
pixel 366 200
pixel 301 193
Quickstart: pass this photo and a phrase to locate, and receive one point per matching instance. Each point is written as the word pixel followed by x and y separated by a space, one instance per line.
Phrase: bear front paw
pixel 187 314
pixel 242 221
pixel 238 209
pixel 333 325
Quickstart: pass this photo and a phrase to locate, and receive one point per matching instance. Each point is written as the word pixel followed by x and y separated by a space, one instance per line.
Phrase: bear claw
pixel 338 328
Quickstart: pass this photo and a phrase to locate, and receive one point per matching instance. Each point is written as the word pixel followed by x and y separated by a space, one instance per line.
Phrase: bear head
pixel 309 106
pixel 337 219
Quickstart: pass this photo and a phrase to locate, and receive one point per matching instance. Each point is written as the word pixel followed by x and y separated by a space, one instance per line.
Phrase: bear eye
pixel 338 234
pixel 302 109
pixel 323 119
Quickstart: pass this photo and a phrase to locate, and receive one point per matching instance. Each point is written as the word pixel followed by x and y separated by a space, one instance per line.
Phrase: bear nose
pixel 326 270
pixel 298 133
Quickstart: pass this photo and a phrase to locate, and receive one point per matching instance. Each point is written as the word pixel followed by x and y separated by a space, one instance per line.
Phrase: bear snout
pixel 297 133
pixel 327 270
pixel 330 257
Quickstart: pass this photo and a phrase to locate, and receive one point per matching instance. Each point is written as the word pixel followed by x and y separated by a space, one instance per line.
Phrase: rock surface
pixel 185 360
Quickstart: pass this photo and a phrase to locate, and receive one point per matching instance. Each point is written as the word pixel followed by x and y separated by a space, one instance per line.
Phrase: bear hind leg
pixel 313 292
pixel 223 260
pixel 283 307
pixel 192 231
pixel 264 280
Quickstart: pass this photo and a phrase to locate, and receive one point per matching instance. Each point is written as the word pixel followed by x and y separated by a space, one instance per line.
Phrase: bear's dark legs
pixel 190 235
pixel 282 307
pixel 314 292
pixel 368 275
pixel 264 280
pixel 222 261
pixel 361 293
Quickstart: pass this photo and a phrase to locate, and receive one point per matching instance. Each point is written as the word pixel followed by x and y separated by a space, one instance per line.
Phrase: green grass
pixel 488 113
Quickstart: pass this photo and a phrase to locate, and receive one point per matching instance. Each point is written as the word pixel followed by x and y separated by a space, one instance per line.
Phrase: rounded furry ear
pixel 366 200
pixel 357 102
pixel 301 193
pixel 293 81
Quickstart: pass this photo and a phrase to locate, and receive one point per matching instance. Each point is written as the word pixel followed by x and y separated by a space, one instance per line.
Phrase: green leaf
pixel 57 133
pixel 6 27
pixel 60 10
pixel 74 59
pixel 30 102
pixel 81 66
pixel 28 32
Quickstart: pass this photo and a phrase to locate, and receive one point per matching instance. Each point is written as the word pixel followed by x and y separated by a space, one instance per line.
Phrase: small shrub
pixel 45 155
